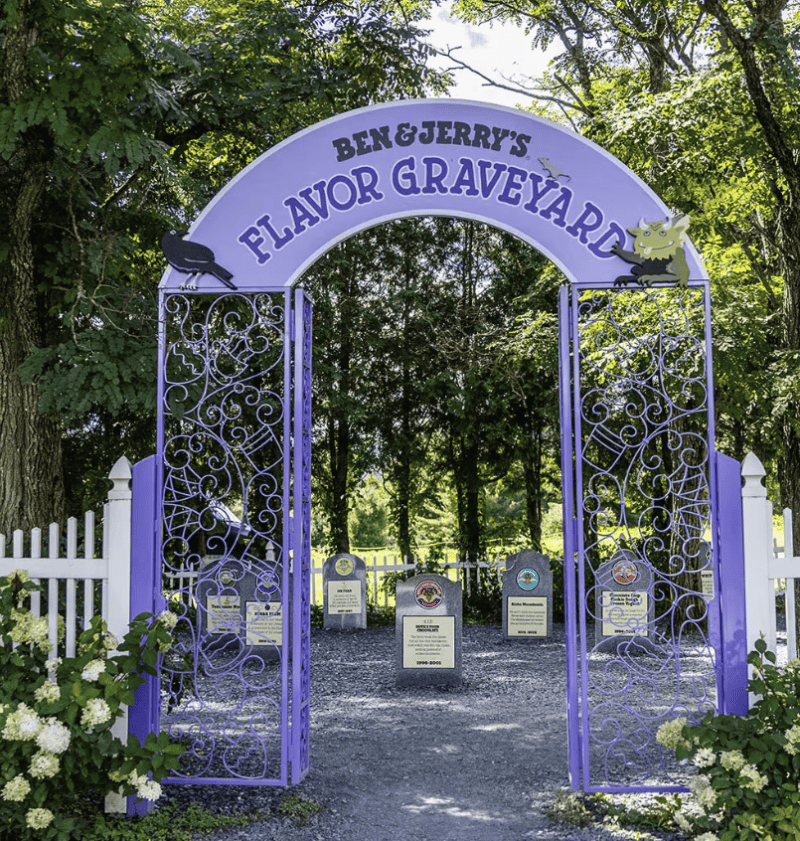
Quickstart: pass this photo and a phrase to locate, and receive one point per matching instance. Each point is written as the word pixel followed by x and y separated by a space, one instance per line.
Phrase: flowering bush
pixel 57 752
pixel 747 785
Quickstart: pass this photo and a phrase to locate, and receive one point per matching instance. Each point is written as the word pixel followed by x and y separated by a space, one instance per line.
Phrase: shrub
pixel 59 757
pixel 748 767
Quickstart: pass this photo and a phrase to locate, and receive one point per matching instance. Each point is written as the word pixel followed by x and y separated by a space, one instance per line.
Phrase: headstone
pixel 428 631
pixel 527 596
pixel 344 584
pixel 624 604
pixel 239 604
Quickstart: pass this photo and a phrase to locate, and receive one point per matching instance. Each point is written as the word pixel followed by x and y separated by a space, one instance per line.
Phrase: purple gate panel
pixel 643 617
pixel 730 541
pixel 145 597
pixel 229 512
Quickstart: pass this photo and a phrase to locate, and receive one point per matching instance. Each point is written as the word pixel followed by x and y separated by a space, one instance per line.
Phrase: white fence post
pixel 117 548
pixel 757 527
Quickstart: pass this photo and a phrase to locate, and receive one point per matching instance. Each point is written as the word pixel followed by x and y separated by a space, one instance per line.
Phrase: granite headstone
pixel 624 603
pixel 344 584
pixel 428 631
pixel 527 596
pixel 239 603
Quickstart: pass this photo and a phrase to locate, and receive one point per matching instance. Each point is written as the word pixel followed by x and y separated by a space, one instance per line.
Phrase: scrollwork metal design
pixel 644 454
pixel 224 462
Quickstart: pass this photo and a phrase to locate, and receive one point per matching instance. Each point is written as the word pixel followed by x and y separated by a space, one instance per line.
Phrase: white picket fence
pixel 78 584
pixel 378 566
pixel 769 568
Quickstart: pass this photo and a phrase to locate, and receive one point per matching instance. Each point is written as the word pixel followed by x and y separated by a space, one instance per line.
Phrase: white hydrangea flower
pixel 39 818
pixel 44 765
pixel 17 789
pixel 93 669
pixel 31 629
pixel 110 642
pixel 707 836
pixel 49 692
pixel 22 725
pixel 732 760
pixel 148 790
pixel 752 779
pixel 54 737
pixel 95 712
pixel 167 618
pixel 669 734
pixel 701 788
pixel 683 822
pixel 53 663
pixel 705 758
pixel 793 737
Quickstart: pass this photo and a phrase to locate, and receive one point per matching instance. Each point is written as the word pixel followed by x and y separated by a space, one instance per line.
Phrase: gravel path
pixel 477 763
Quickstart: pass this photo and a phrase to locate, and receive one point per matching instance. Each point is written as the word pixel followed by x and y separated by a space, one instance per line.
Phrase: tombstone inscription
pixel 344 584
pixel 527 596
pixel 624 599
pixel 428 631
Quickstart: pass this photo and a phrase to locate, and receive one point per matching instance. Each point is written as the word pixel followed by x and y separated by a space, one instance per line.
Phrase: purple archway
pixel 573 202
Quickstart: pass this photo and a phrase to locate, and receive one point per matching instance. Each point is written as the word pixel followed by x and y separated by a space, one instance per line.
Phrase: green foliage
pixel 58 752
pixel 299 809
pixel 746 787
pixel 172 823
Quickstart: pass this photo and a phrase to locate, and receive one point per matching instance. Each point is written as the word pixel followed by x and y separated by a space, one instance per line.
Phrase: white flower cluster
pixel 93 670
pixel 54 737
pixel 669 734
pixel 39 818
pixel 752 779
pixel 168 619
pixel 28 628
pixel 707 836
pixel 95 712
pixel 44 765
pixel 702 790
pixel 16 790
pixel 145 789
pixel 22 725
pixel 793 737
pixel 48 693
pixel 732 760
pixel 705 758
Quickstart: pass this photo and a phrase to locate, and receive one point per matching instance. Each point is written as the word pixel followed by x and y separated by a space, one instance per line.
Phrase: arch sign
pixel 636 416
pixel 547 185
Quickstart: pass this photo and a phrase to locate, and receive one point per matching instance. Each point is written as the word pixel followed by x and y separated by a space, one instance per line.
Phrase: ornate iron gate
pixel 234 454
pixel 641 580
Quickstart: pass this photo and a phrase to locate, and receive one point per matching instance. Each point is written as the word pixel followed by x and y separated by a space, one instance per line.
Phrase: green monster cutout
pixel 658 254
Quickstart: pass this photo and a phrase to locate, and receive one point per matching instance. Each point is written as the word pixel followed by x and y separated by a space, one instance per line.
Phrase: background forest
pixel 435 410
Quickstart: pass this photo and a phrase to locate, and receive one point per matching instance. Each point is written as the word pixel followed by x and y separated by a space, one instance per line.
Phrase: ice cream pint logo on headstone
pixel 625 572
pixel 225 577
pixel 528 579
pixel 267 585
pixel 428 594
pixel 344 566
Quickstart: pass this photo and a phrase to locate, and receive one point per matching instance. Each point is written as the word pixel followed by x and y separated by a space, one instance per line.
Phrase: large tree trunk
pixel 31 481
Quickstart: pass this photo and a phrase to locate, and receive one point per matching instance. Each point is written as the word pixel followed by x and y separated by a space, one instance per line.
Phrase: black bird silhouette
pixel 192 258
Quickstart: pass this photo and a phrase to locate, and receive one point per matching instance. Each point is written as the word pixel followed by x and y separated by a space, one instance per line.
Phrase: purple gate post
pixel 570 532
pixel 146 597
pixel 730 568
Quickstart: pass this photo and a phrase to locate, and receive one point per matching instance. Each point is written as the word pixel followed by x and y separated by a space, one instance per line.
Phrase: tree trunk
pixel 31 480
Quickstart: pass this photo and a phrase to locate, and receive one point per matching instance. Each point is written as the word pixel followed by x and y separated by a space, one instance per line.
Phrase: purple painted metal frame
pixel 232 430
pixel 586 517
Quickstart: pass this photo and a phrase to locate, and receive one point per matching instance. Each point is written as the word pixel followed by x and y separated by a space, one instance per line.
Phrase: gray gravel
pixel 477 763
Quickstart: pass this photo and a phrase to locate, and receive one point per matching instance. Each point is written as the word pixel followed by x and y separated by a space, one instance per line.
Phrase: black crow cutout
pixel 193 259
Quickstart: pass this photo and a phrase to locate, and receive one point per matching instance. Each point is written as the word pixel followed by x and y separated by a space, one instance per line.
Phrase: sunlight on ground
pixel 493 728
pixel 442 804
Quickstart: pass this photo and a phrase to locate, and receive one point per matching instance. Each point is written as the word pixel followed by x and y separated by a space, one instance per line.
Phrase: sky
pixel 496 50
